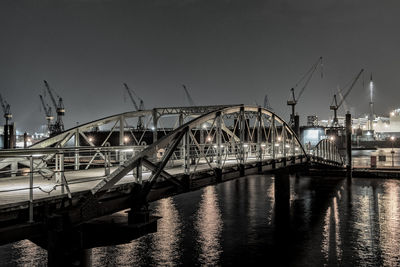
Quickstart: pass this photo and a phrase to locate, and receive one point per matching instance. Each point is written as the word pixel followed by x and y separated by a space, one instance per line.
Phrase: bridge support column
pixel 65 246
pixel 348 146
pixel 282 197
pixel 282 209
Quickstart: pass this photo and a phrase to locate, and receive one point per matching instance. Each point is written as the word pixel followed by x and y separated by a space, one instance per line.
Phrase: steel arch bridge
pixel 190 147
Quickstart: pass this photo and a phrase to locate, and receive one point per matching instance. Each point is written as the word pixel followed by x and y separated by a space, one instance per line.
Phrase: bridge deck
pixel 14 191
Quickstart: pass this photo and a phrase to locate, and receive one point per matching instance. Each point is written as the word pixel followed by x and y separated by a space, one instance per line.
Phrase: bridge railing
pixel 327 151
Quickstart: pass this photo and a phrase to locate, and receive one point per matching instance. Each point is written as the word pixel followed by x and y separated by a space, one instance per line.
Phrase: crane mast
pixel 49 116
pixel 6 110
pixel 60 110
pixel 335 105
pixel 266 103
pixel 137 108
pixel 306 79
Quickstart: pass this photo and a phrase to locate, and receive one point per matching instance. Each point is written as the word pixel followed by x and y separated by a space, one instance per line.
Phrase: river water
pixel 326 222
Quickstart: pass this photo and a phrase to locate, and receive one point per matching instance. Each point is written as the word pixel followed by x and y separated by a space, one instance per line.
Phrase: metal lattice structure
pixel 187 145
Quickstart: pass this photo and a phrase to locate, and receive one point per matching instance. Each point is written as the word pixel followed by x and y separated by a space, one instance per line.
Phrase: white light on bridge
pixel 279 139
pixel 392 113
pixel 332 138
pixel 392 138
pixel 126 139
pixel 90 139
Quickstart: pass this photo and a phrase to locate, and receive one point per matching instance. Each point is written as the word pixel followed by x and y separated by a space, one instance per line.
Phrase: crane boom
pixel 190 99
pixel 47 108
pixel 307 77
pixel 350 88
pixel 131 97
pixel 51 94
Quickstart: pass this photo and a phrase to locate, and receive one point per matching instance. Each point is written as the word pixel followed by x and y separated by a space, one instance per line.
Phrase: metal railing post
pixel 186 144
pixel 121 138
pixel 241 134
pixel 259 141
pixel 107 163
pixel 139 171
pixel 273 135
pixel 31 190
pixel 62 173
pixel 76 165
pixel 219 140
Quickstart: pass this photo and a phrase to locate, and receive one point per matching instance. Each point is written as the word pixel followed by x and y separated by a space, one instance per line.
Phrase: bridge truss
pixel 187 144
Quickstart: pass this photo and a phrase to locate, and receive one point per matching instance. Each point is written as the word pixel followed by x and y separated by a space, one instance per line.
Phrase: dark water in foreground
pixel 327 223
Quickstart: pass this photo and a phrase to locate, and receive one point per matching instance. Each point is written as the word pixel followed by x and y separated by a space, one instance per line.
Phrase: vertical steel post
pixel 182 144
pixel 155 128
pixel 241 135
pixel 107 163
pixel 186 145
pixel 348 146
pixel 284 143
pixel 31 190
pixel 273 137
pixel 57 168
pixel 77 144
pixel 139 170
pixel 202 140
pixel 259 141
pixel 121 138
pixel 62 172
pixel 219 140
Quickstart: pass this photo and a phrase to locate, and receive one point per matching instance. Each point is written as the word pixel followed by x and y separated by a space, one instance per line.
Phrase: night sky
pixel 226 52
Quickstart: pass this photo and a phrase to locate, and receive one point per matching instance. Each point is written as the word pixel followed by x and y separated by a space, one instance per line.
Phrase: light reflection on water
pixel 330 223
pixel 209 225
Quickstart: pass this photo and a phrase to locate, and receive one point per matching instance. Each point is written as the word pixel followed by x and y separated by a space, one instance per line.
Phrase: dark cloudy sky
pixel 225 51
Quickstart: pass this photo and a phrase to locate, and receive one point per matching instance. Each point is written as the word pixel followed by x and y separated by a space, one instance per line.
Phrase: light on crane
pixel 335 105
pixel 306 78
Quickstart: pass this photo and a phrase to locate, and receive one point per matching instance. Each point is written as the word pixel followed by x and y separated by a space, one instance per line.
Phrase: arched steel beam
pixel 175 137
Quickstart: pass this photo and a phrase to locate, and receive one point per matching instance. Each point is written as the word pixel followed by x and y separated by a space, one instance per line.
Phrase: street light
pixel 392 138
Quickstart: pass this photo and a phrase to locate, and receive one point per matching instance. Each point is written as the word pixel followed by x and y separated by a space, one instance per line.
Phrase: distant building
pixel 312 120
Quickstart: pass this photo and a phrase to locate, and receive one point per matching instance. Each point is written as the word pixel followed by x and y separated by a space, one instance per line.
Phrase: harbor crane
pixel 189 98
pixel 58 126
pixel 266 103
pixel 335 105
pixel 6 110
pixel 306 79
pixel 137 108
pixel 48 113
